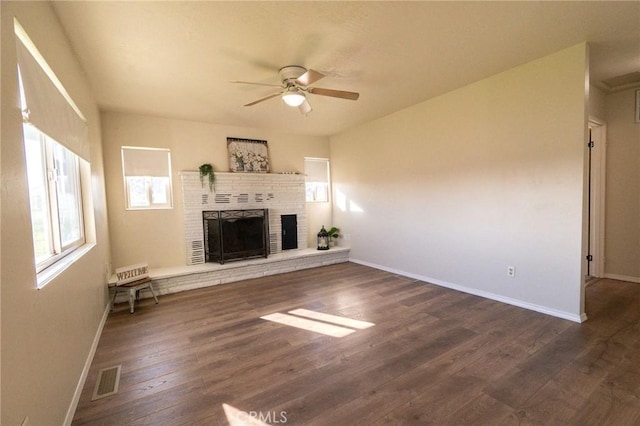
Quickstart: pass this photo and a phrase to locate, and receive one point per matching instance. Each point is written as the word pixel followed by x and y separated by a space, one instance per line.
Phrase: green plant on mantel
pixel 333 233
pixel 206 170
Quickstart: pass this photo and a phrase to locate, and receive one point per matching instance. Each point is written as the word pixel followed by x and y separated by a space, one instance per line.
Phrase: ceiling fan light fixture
pixel 305 108
pixel 293 97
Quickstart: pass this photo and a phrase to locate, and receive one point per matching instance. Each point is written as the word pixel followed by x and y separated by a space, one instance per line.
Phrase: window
pixel 55 147
pixel 53 176
pixel 317 179
pixel 147 178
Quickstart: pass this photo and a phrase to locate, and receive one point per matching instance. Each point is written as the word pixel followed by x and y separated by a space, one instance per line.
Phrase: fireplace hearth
pixel 231 235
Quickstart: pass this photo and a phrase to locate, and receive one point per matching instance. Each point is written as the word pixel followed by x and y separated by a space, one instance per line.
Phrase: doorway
pixel 596 198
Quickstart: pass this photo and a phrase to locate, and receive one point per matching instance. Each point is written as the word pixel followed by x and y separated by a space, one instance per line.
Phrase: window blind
pixel 154 162
pixel 48 105
pixel 316 169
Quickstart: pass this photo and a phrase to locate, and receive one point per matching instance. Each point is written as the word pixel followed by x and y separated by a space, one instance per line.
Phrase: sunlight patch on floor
pixel 335 319
pixel 318 322
pixel 307 324
pixel 237 417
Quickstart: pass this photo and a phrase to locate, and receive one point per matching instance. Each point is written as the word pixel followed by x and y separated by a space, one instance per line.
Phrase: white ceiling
pixel 176 59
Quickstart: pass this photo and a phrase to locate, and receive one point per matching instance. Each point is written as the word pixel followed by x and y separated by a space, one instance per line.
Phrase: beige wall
pixel 157 236
pixel 47 334
pixel 456 189
pixel 622 228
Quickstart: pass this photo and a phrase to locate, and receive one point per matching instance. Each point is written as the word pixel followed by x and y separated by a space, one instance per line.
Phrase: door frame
pixel 597 196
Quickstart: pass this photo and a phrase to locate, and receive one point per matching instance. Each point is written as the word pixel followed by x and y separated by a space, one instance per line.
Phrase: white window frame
pixel 57 250
pixel 157 173
pixel 317 187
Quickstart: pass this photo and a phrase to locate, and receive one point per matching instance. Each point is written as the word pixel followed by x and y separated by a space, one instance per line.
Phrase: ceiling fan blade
pixel 305 108
pixel 263 99
pixel 256 84
pixel 309 77
pixel 334 93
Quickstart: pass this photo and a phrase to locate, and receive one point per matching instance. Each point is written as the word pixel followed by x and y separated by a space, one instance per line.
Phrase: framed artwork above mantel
pixel 248 155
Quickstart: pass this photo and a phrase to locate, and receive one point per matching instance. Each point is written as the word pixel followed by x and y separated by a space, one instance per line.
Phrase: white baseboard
pixel 85 371
pixel 487 295
pixel 623 278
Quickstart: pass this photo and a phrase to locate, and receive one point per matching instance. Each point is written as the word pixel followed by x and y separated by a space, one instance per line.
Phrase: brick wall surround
pixel 279 193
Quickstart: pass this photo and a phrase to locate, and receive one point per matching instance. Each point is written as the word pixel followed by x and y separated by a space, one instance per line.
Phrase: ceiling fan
pixel 295 86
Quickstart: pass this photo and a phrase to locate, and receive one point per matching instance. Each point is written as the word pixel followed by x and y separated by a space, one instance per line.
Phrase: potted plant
pixel 333 233
pixel 206 170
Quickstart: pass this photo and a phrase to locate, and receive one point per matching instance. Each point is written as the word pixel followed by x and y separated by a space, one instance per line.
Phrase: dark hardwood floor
pixel 434 356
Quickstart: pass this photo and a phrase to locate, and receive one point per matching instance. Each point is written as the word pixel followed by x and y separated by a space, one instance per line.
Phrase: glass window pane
pixel 317 179
pixel 38 194
pixel 317 191
pixel 322 191
pixel 159 190
pixel 137 191
pixel 68 194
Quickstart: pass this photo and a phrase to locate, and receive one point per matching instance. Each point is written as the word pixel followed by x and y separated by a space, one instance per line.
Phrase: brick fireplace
pixel 280 194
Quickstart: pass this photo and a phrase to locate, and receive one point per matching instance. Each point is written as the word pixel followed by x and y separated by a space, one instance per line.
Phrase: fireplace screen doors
pixel 235 234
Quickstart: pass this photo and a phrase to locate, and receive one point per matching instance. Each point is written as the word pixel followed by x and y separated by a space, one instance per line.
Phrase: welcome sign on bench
pixel 128 274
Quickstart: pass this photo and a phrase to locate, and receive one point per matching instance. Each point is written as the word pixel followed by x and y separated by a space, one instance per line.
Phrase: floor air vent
pixel 108 380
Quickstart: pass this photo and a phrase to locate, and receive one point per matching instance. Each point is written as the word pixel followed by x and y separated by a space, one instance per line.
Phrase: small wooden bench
pixel 133 286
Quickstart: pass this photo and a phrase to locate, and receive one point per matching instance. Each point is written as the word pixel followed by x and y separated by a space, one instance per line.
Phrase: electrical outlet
pixel 511 271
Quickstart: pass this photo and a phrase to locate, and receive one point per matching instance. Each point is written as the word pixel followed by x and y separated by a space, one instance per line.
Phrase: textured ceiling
pixel 176 59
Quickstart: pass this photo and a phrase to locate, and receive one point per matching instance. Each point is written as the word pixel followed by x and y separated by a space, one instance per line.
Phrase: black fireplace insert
pixel 235 234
